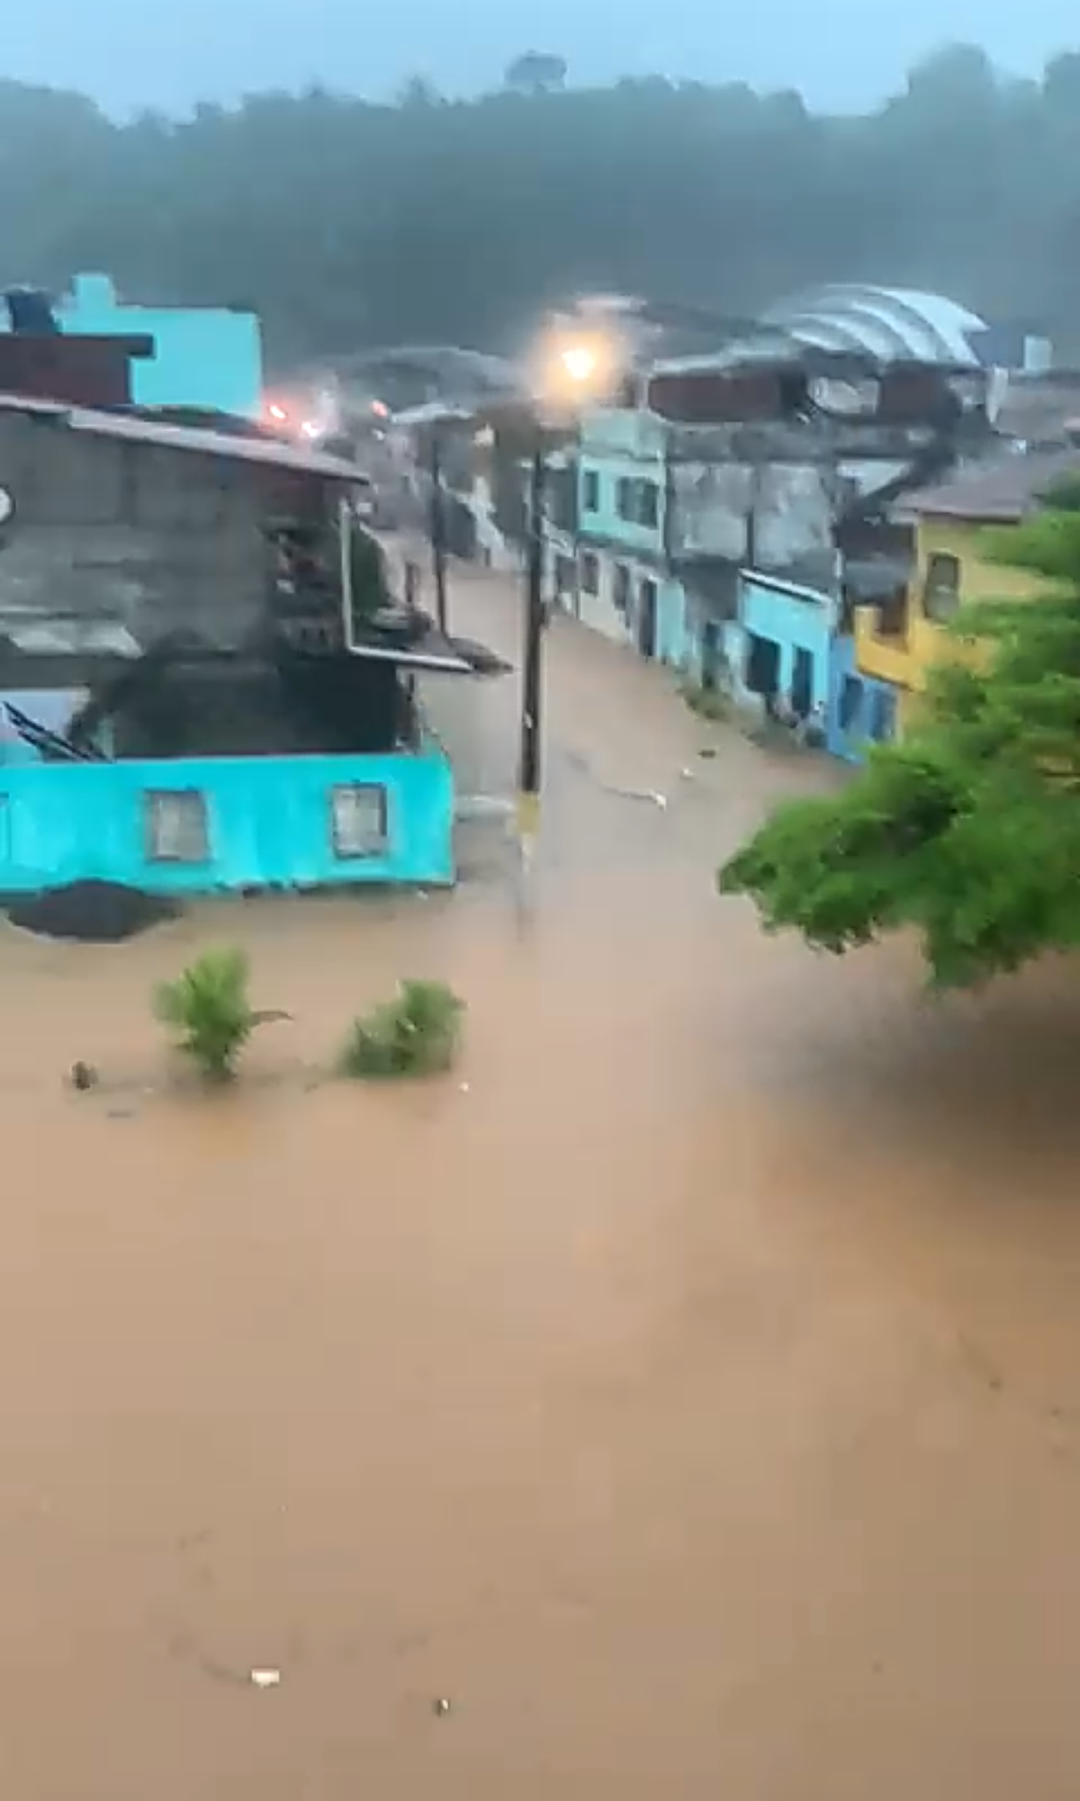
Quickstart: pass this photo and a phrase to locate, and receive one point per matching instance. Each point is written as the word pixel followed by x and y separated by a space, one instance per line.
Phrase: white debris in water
pixel 463 1087
pixel 649 794
pixel 265 1678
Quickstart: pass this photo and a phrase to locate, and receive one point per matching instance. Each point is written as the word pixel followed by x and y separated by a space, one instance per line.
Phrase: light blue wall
pixel 631 431
pixel 794 618
pixel 205 356
pixel 269 822
pixel 614 444
pixel 674 640
pixel 876 714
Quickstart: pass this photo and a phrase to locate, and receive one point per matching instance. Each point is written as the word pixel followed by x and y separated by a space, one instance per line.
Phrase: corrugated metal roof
pixel 1001 492
pixel 905 322
pixel 274 453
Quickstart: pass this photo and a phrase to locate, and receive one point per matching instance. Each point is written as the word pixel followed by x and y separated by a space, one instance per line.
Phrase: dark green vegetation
pixel 418 1033
pixel 969 831
pixel 339 220
pixel 208 1011
pixel 707 703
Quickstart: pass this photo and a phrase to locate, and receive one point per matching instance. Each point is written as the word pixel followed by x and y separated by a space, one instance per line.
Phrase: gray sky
pixel 167 53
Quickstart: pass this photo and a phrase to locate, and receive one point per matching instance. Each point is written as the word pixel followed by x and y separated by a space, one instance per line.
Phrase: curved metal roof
pixel 898 323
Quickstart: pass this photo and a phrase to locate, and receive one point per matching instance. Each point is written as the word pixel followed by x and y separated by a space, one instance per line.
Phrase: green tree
pixel 968 831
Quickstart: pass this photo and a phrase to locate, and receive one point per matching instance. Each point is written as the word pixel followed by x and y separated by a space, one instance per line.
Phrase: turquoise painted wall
pixel 269 822
pixel 205 356
pixel 618 444
pixel 795 619
pixel 862 710
pixel 674 641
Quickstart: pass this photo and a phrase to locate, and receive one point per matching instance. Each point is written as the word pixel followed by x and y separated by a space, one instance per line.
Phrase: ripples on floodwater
pixel 692 1400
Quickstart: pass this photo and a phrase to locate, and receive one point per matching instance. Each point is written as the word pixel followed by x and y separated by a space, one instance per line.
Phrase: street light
pixel 579 361
pixel 573 370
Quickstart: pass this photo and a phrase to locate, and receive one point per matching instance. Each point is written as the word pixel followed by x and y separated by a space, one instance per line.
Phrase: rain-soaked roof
pixel 278 453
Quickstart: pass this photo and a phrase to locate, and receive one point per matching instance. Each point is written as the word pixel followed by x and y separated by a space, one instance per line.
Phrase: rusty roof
pixel 276 453
pixel 1002 492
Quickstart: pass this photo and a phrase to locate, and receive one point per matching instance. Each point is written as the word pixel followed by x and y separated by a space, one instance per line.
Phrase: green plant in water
pixel 418 1033
pixel 707 703
pixel 208 1009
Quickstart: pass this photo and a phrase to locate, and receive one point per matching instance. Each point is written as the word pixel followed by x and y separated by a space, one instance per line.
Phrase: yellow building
pixel 900 642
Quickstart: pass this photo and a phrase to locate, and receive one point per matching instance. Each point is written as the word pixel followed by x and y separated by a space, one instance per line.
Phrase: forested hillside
pixel 348 223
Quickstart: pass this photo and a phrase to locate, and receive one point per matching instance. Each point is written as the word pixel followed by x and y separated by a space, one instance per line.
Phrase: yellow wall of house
pixel 905 658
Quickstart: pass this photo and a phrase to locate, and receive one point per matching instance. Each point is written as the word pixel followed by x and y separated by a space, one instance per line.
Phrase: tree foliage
pixel 968 831
pixel 350 224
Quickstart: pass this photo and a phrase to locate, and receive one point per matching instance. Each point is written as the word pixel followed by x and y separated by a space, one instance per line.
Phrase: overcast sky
pixel 168 53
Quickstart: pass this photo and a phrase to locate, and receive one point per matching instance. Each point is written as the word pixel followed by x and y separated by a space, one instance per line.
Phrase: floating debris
pixel 83 1077
pixel 266 1678
pixel 440 1707
pixel 650 794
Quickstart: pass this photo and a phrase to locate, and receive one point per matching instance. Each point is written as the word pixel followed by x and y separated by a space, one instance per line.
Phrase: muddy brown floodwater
pixel 692 1401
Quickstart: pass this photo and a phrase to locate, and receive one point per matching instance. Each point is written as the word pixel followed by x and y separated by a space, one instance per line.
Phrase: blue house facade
pixel 204 357
pixel 862 710
pixel 193 825
pixel 780 650
pixel 624 587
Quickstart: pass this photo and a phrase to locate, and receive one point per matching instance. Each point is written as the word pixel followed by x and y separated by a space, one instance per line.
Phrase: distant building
pixel 203 357
pixel 747 466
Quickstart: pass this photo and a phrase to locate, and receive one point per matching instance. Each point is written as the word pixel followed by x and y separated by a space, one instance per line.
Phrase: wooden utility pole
pixel 438 533
pixel 530 767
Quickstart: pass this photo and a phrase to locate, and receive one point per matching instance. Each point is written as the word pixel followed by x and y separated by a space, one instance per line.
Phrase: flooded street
pixel 689 1394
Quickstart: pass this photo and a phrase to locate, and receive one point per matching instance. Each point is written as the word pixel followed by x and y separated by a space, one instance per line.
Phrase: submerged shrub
pixel 708 703
pixel 418 1033
pixel 208 1010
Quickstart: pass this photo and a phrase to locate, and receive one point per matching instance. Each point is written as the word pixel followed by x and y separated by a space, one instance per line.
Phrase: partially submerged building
pixel 205 678
pixel 728 468
pixel 898 642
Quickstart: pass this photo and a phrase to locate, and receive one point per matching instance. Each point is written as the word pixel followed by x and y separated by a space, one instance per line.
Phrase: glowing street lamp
pixel 580 362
